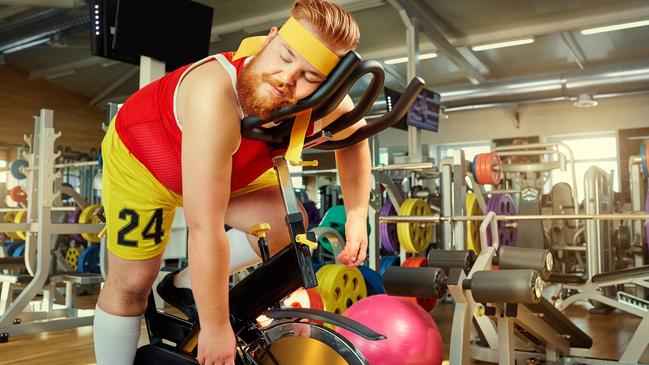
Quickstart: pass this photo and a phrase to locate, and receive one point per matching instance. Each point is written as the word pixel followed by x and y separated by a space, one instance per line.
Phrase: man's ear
pixel 271 34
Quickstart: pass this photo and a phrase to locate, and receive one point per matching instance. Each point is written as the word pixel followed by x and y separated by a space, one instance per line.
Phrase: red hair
pixel 336 26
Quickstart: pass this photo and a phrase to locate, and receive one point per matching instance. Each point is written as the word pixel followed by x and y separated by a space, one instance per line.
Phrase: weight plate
pixel 312 212
pixel 335 218
pixel 72 257
pixel 303 298
pixel 74 218
pixel 389 237
pixel 16 169
pixel 89 260
pixel 427 303
pixel 19 251
pixel 17 194
pixel 414 237
pixel 10 247
pixel 21 217
pixel 9 217
pixel 87 216
pixel 502 204
pixel 473 227
pixel 486 168
pixel 373 281
pixel 340 287
pixel 387 261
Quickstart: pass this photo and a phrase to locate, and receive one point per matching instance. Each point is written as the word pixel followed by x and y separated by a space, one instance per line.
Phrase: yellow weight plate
pixel 72 257
pixel 9 217
pixel 87 217
pixel 340 287
pixel 473 227
pixel 21 217
pixel 414 237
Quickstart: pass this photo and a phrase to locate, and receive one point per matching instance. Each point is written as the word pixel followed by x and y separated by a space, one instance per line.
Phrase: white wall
pixel 538 119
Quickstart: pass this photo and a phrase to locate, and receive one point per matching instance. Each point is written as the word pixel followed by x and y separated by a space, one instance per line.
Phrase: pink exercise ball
pixel 412 335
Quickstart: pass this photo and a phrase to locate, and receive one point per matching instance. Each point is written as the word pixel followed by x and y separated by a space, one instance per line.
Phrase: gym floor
pixel 610 334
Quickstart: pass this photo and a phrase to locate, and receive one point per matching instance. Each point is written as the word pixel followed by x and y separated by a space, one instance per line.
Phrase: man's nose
pixel 289 76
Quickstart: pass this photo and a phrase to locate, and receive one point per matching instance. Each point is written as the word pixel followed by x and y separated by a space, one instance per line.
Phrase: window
pixel 599 150
pixel 3 176
pixel 470 149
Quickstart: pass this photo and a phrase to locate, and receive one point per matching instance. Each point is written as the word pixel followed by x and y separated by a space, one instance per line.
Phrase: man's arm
pixel 354 169
pixel 210 126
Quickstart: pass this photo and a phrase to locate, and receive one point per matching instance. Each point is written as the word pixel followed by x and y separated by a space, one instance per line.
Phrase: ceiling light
pixel 20 46
pixel 394 61
pixel 585 101
pixel 610 28
pixel 518 42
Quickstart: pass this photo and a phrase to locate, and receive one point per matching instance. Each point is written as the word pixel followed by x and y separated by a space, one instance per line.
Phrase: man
pixel 177 142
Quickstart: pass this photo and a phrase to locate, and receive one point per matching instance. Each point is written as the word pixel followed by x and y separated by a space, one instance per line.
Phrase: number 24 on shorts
pixel 133 219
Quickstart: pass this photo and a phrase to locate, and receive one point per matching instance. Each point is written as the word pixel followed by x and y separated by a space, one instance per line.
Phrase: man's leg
pixel 139 212
pixel 244 211
pixel 265 205
pixel 120 306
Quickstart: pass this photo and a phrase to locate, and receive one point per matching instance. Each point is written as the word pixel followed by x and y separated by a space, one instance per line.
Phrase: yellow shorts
pixel 139 209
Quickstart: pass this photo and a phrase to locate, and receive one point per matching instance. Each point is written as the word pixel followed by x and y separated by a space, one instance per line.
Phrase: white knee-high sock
pixel 242 255
pixel 115 338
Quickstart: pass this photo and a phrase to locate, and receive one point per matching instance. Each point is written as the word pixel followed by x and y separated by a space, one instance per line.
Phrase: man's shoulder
pixel 208 77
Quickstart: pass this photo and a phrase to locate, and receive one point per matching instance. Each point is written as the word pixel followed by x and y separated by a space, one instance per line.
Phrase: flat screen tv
pixel 176 32
pixel 423 113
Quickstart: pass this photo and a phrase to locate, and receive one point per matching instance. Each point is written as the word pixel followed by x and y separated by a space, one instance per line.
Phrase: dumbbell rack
pixel 24 315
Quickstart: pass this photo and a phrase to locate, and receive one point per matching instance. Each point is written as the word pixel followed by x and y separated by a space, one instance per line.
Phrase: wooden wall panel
pixel 21 99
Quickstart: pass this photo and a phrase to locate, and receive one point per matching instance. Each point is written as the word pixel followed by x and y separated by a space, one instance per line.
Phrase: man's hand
pixel 355 250
pixel 216 346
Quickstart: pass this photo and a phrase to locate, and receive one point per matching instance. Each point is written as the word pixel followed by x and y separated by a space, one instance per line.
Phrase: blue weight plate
pixel 15 169
pixel 372 281
pixel 316 266
pixel 387 261
pixel 19 251
pixel 10 247
pixel 89 260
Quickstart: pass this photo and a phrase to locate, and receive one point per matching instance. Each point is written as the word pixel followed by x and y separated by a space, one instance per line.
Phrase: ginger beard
pixel 254 100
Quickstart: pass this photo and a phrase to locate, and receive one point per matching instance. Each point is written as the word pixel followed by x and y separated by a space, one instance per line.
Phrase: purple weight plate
pixel 389 240
pixel 74 218
pixel 312 212
pixel 502 204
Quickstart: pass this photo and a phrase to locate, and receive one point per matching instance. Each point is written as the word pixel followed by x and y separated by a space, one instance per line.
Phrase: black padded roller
pixel 505 286
pixel 447 259
pixel 420 282
pixel 511 258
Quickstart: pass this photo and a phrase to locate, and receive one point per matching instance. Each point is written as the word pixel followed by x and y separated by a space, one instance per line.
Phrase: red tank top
pixel 147 125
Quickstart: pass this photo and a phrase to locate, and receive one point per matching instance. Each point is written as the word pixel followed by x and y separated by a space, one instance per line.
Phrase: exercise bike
pixel 296 335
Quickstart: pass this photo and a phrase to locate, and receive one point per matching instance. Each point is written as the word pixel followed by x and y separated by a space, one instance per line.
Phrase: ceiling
pixel 455 26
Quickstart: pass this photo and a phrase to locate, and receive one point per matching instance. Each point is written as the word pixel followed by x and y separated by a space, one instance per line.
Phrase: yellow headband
pixel 300 40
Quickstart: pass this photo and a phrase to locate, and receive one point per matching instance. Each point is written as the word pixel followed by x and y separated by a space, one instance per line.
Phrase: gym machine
pixel 511 302
pixel 55 311
pixel 288 339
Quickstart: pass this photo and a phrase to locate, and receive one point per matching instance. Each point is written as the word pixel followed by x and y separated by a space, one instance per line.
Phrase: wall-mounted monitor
pixel 176 32
pixel 423 113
